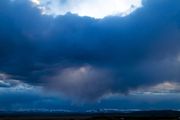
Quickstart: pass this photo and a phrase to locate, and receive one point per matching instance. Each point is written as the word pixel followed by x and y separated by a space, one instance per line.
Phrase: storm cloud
pixel 86 58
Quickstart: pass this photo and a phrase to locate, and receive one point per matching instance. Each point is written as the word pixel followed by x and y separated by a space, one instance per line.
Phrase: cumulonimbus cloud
pixel 111 55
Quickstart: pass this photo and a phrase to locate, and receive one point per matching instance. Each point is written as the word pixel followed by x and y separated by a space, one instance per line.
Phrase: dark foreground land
pixel 140 115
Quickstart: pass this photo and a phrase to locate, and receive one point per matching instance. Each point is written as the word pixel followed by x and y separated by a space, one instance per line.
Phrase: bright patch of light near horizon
pixel 92 8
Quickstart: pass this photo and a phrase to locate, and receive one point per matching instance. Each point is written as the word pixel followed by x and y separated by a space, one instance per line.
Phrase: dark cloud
pixel 119 53
pixel 22 99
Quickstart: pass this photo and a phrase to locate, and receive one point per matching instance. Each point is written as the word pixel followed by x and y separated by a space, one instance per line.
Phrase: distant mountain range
pixel 134 113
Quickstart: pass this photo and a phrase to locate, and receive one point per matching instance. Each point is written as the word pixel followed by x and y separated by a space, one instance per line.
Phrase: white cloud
pixel 8 84
pixel 91 8
pixel 159 89
pixel 37 2
pixel 166 86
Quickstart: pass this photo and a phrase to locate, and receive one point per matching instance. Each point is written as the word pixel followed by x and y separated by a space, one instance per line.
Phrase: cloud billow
pixel 88 7
pixel 111 55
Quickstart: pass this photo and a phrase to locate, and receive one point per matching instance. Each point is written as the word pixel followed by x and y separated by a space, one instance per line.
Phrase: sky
pixel 89 54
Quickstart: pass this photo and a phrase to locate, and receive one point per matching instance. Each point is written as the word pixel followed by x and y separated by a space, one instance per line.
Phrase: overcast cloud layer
pixel 85 58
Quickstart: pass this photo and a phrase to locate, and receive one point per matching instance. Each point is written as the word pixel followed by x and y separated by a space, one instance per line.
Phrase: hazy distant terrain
pixel 138 115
